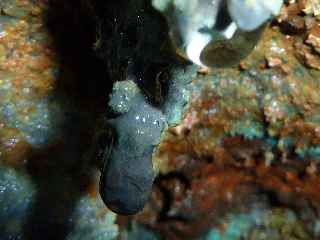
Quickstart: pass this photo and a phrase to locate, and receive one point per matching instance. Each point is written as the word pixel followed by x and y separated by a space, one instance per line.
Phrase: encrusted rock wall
pixel 239 157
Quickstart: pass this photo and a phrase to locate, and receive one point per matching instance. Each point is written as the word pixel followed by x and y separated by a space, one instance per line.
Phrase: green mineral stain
pixel 275 224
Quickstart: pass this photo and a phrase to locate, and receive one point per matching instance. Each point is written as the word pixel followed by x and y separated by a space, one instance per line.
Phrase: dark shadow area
pixel 161 183
pixel 97 43
pixel 140 45
pixel 223 18
pixel 61 172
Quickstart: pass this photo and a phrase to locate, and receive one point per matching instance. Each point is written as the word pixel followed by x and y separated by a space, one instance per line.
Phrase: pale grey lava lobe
pixel 128 175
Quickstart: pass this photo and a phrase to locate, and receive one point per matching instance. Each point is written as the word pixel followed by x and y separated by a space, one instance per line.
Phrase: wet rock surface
pixel 240 155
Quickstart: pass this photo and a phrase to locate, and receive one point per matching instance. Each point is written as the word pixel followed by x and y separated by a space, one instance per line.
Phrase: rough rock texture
pixel 48 188
pixel 242 164
pixel 248 131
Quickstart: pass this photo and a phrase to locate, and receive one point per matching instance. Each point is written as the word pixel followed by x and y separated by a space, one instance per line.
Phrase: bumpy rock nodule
pixel 128 175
